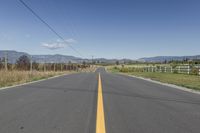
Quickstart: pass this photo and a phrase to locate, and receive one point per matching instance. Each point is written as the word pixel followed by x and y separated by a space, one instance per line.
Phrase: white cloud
pixel 59 44
pixel 71 40
pixel 53 46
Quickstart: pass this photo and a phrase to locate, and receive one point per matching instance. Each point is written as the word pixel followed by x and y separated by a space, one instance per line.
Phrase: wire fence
pixel 26 63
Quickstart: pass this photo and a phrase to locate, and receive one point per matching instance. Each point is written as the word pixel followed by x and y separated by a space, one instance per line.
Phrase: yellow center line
pixel 100 120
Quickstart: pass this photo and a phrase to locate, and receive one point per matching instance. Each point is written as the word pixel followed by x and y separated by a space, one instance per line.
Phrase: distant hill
pixel 168 58
pixel 58 58
pixel 13 56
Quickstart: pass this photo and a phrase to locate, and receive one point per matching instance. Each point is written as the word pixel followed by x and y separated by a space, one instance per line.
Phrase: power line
pixel 52 29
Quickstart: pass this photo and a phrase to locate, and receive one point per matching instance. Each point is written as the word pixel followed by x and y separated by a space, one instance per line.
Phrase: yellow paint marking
pixel 100 120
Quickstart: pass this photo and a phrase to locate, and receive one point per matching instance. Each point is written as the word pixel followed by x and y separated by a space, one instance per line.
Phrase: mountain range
pixel 13 56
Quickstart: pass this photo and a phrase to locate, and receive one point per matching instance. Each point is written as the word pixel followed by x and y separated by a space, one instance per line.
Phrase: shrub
pixel 195 71
pixel 124 70
pixel 175 71
pixel 131 69
pixel 23 63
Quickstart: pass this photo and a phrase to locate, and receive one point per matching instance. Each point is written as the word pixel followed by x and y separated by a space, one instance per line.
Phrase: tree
pixel 35 66
pixel 185 60
pixel 1 63
pixel 93 62
pixel 84 63
pixel 23 63
pixel 117 62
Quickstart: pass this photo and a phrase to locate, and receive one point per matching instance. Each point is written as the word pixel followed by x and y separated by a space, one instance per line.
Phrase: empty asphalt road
pixel 79 103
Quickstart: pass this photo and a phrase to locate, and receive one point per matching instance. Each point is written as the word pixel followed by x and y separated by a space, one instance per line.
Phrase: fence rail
pixel 184 69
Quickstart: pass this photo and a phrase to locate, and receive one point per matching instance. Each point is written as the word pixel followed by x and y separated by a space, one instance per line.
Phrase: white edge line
pixel 31 82
pixel 164 84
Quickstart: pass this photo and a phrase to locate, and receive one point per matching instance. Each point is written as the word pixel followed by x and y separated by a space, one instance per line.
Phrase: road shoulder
pixel 165 84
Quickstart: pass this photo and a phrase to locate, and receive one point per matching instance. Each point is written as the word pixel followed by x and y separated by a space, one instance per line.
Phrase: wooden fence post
pixel 6 61
pixel 171 69
pixel 31 64
pixel 188 69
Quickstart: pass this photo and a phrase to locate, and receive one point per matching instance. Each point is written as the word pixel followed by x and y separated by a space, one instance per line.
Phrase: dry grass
pixel 8 78
pixel 89 69
pixel 14 77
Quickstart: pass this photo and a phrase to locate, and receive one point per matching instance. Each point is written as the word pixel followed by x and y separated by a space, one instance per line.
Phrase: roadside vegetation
pixel 191 81
pixel 9 78
pixel 24 70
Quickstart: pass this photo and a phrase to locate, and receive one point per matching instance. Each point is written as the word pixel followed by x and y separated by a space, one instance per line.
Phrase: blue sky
pixel 103 28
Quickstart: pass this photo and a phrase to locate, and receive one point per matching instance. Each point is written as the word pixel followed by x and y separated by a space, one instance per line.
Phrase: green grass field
pixel 189 81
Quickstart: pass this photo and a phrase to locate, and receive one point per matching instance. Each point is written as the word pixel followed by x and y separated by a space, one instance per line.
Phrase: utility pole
pixel 44 65
pixel 92 60
pixel 54 67
pixel 6 61
pixel 31 64
pixel 66 66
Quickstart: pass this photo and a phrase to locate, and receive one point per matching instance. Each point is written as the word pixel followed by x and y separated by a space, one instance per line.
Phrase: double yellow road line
pixel 100 119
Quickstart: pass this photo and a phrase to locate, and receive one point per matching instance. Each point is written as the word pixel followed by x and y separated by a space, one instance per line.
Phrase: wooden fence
pixel 184 69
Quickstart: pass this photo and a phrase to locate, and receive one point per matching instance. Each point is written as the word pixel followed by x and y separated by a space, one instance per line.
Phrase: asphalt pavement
pixel 68 104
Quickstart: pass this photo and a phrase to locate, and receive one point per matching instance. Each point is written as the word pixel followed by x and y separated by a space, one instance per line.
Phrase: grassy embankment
pixel 189 81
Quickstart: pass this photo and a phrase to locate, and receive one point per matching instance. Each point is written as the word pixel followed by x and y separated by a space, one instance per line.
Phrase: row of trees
pixel 184 61
pixel 24 63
